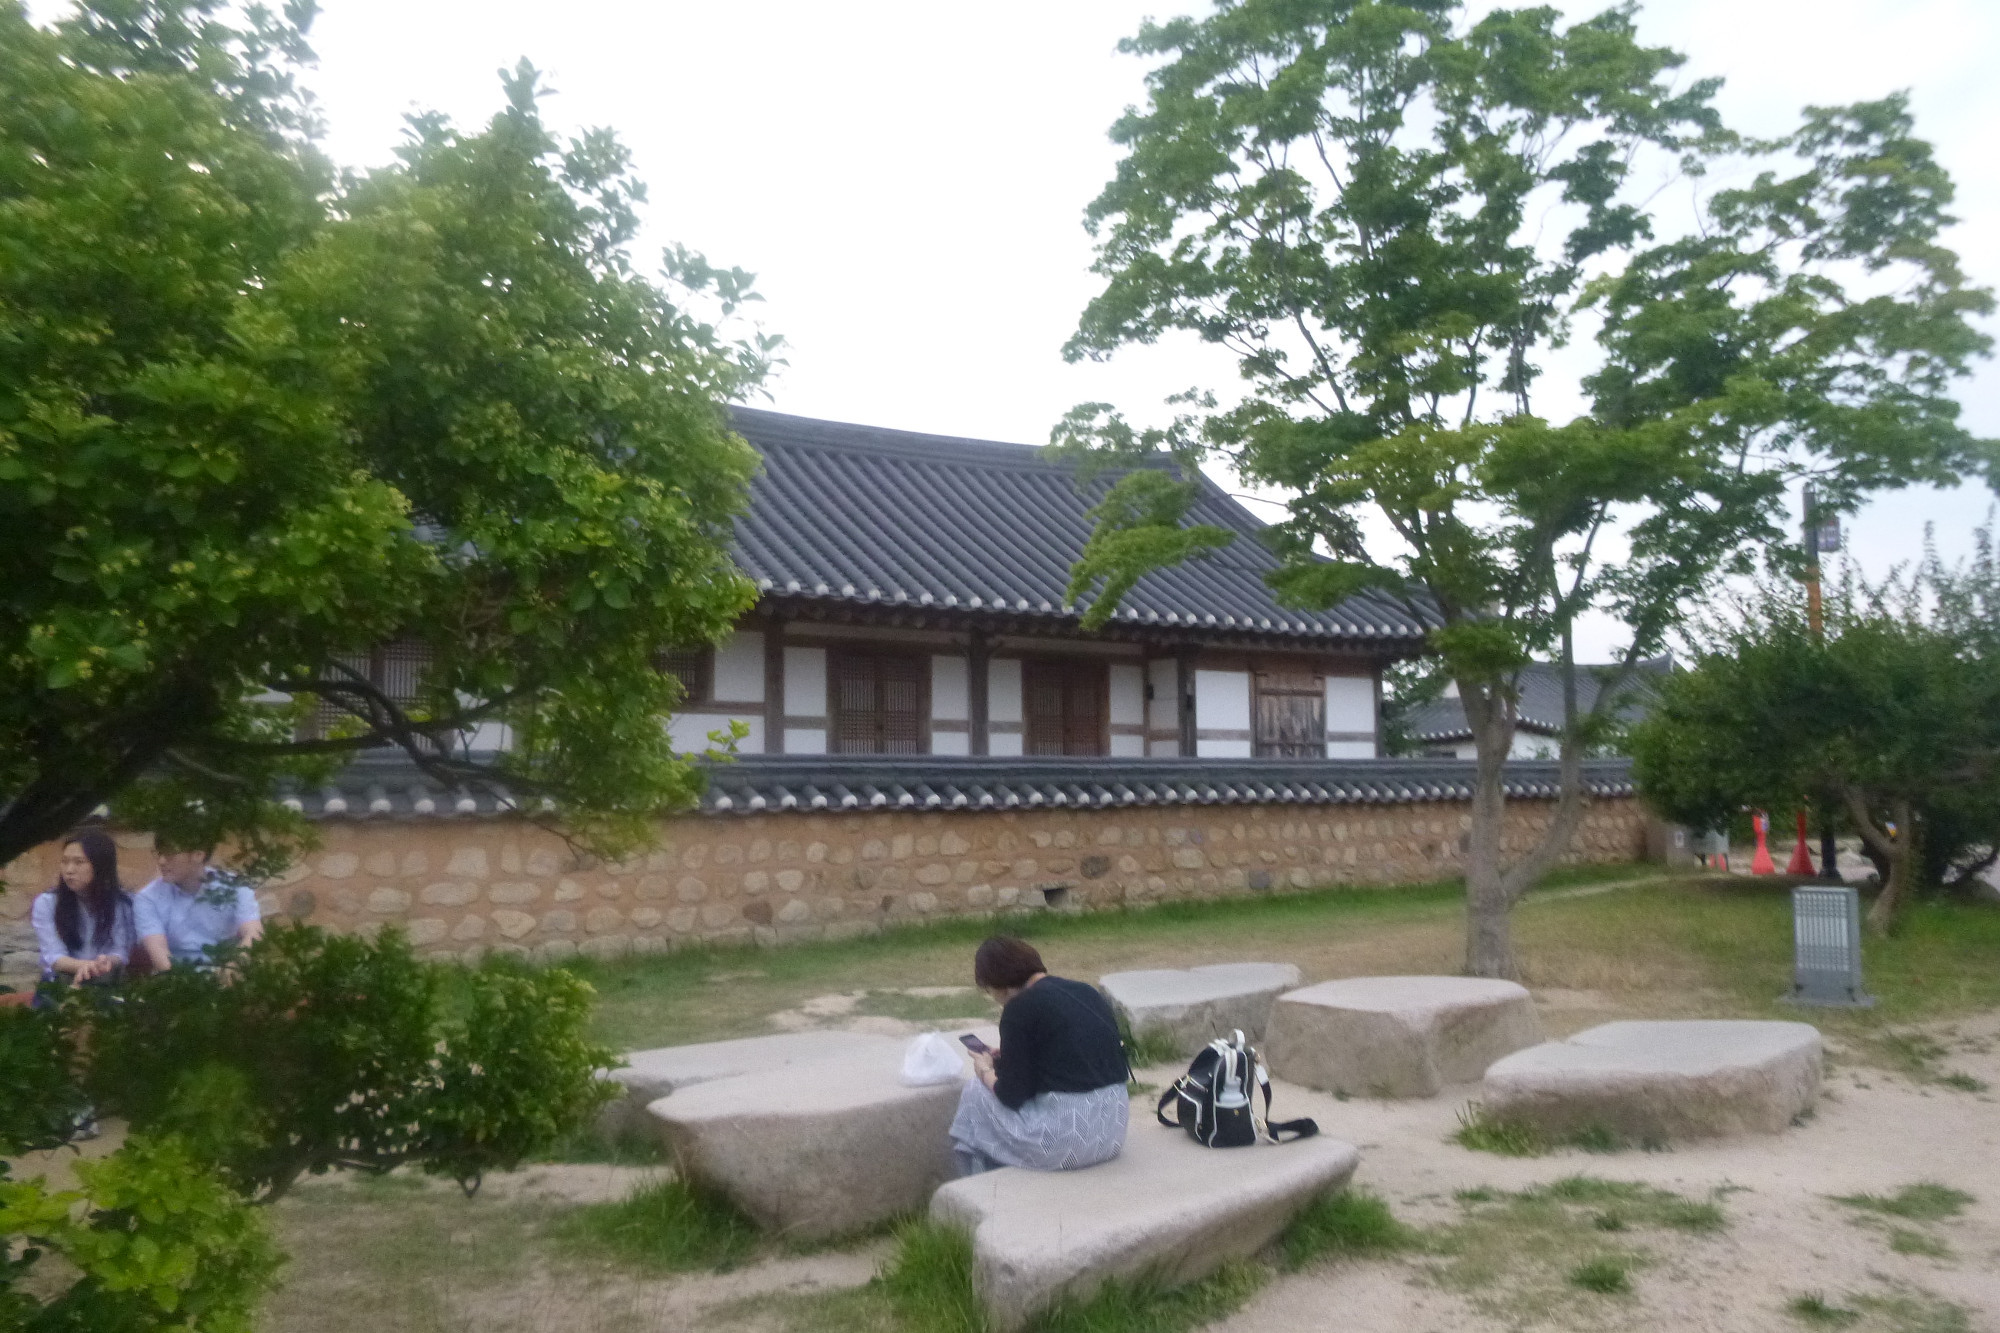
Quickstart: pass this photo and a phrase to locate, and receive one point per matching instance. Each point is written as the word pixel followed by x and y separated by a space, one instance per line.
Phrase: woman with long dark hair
pixel 84 924
pixel 1052 1097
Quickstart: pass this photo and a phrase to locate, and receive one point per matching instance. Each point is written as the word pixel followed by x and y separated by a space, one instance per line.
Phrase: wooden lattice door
pixel 1064 701
pixel 877 702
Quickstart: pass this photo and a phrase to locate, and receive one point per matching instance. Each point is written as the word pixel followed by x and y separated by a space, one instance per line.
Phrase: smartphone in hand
pixel 974 1044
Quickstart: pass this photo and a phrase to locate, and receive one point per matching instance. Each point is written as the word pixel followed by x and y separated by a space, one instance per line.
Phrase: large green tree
pixel 1392 216
pixel 257 415
pixel 1889 717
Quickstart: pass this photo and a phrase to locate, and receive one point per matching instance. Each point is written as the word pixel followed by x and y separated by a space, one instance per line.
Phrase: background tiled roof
pixel 1541 709
pixel 862 515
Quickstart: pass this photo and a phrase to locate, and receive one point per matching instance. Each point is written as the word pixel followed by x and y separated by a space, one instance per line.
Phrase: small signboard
pixel 1826 940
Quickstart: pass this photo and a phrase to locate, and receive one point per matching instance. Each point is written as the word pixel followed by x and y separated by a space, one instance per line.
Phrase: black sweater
pixel 1057 1036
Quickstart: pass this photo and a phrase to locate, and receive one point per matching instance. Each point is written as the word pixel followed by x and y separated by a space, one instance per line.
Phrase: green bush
pixel 155 1242
pixel 39 1099
pixel 325 1051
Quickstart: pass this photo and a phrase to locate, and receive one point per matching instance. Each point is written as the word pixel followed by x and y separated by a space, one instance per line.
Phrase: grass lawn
pixel 1650 945
pixel 1595 943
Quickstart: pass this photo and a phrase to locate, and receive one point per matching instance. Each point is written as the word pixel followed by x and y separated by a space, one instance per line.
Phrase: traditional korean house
pixel 913 604
pixel 931 731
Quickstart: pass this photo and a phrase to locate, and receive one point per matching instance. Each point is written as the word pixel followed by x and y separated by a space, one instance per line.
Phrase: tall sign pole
pixel 1820 536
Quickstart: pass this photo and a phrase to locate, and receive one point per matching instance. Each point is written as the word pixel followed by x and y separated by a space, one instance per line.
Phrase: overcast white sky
pixel 907 177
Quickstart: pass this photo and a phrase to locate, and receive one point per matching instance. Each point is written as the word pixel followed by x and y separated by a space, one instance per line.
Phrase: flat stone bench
pixel 1199 1004
pixel 816 1148
pixel 1663 1081
pixel 1166 1210
pixel 650 1075
pixel 1397 1036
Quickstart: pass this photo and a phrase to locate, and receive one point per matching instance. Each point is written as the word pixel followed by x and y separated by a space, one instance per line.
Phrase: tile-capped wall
pixel 468 887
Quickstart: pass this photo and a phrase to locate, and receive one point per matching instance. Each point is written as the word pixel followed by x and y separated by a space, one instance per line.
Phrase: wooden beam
pixel 774 686
pixel 1184 697
pixel 977 655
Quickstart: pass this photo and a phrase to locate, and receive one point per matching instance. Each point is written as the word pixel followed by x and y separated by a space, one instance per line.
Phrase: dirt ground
pixel 1786 1237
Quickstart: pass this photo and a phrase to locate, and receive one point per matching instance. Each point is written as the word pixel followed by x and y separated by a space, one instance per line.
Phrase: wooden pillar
pixel 978 654
pixel 1184 697
pixel 774 686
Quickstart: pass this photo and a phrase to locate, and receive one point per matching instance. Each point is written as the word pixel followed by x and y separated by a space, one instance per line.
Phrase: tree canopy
pixel 1392 217
pixel 258 415
pixel 1890 719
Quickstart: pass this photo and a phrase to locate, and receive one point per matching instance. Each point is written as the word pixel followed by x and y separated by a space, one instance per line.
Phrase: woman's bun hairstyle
pixel 1005 963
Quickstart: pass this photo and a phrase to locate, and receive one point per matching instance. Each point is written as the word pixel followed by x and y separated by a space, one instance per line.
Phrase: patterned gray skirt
pixel 1055 1131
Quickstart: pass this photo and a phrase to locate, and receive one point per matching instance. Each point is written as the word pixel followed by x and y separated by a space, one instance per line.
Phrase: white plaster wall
pixel 1350 707
pixel 492 736
pixel 1003 691
pixel 1161 715
pixel 805 683
pixel 689 731
pixel 1129 747
pixel 951 742
pixel 1006 744
pixel 739 669
pixel 1527 745
pixel 1128 696
pixel 950 701
pixel 1221 703
pixel 1222 700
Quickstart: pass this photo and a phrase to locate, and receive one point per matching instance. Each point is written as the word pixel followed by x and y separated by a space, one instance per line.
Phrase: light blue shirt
pixel 196 922
pixel 123 935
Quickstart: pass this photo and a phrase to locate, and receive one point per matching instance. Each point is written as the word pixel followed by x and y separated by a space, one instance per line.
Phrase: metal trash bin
pixel 1826 941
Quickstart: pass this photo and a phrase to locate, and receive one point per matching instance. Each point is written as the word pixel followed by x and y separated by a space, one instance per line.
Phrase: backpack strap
pixel 1160 1111
pixel 1302 1128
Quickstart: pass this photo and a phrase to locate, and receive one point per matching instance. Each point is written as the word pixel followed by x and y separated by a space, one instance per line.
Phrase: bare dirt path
pixel 1786 1237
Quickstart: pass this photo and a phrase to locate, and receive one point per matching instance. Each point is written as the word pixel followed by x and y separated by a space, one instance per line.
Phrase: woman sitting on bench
pixel 1052 1097
pixel 84 924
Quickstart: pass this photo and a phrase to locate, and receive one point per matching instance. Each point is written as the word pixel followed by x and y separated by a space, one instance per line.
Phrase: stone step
pixel 1166 1210
pixel 819 1147
pixel 1194 1006
pixel 1663 1081
pixel 1397 1036
pixel 650 1075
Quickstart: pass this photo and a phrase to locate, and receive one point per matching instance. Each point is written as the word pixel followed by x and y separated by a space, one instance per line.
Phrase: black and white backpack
pixel 1214 1101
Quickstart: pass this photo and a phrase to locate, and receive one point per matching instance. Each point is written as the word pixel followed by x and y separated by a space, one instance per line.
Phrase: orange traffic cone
pixel 1802 862
pixel 1761 863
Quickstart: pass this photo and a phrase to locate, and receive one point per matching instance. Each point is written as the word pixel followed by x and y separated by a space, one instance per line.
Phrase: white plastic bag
pixel 931 1057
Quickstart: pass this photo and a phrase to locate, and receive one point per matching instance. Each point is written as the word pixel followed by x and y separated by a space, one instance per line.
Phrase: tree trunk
pixel 1899 851
pixel 1490 890
pixel 1489 943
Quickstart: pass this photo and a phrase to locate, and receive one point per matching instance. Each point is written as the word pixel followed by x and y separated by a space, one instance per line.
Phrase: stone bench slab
pixel 816 1148
pixel 650 1075
pixel 1663 1080
pixel 1165 1210
pixel 1196 1005
pixel 1397 1036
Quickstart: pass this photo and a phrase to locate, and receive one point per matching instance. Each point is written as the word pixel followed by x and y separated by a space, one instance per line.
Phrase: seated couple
pixel 92 931
pixel 1052 1097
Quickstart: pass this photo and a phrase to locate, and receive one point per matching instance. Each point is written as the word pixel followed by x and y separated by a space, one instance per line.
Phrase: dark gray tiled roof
pixel 862 516
pixel 393 789
pixel 1541 710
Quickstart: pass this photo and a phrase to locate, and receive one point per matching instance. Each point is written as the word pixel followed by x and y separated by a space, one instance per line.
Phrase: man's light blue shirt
pixel 195 922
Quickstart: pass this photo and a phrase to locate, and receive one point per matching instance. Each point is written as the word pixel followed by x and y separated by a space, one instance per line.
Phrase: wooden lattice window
pixel 878 703
pixel 694 668
pixel 395 668
pixel 1064 701
pixel 1291 715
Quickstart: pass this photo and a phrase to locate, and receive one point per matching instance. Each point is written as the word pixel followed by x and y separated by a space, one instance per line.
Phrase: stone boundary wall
pixel 464 887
